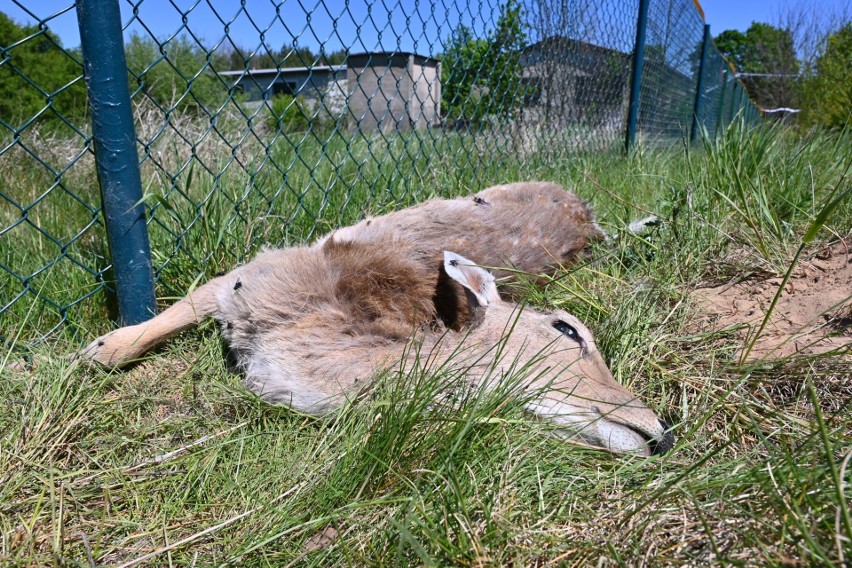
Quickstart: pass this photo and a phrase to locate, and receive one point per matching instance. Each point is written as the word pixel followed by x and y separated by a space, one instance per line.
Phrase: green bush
pixel 828 93
pixel 288 114
pixel 481 77
pixel 38 77
pixel 174 74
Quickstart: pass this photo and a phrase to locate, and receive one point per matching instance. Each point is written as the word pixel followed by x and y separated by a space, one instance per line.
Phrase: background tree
pixel 827 98
pixel 464 99
pixel 811 22
pixel 291 55
pixel 230 57
pixel 174 74
pixel 765 50
pixel 481 76
pixel 336 57
pixel 575 19
pixel 38 77
pixel 234 57
pixel 506 92
pixel 820 35
pixel 734 46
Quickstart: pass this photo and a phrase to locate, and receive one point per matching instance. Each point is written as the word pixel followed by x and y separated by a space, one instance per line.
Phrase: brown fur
pixel 533 227
pixel 381 292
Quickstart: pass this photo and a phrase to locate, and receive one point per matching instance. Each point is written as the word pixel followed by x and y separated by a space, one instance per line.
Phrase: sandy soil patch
pixel 812 316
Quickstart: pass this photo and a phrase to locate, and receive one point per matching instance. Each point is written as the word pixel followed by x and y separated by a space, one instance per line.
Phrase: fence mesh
pixel 273 122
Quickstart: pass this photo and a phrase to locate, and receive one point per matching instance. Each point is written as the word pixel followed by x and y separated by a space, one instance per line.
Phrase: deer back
pixel 533 227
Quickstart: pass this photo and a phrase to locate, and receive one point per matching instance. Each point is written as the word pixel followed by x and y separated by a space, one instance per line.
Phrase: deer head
pixel 565 379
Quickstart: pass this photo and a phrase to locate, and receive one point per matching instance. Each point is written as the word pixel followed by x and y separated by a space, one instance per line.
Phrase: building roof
pixel 322 68
pixel 388 57
pixel 403 53
pixel 282 70
pixel 562 42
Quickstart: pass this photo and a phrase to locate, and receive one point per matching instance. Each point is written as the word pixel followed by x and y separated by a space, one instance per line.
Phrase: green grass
pixel 760 474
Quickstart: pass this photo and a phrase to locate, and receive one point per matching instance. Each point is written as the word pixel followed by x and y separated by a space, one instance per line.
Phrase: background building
pixel 385 90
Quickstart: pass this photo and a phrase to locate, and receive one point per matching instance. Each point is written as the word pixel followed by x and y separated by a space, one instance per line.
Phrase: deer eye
pixel 567 330
pixel 570 332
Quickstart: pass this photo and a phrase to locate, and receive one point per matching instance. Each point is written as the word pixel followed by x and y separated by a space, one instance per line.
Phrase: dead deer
pixel 311 326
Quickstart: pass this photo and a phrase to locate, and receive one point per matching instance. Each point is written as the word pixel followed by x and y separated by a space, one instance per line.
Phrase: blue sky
pixel 411 25
pixel 739 14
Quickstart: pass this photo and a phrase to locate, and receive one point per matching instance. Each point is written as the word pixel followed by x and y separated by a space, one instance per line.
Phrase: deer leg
pixel 120 347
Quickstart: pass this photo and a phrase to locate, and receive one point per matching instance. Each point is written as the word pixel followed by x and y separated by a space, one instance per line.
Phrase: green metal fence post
pixel 699 88
pixel 739 105
pixel 711 114
pixel 735 93
pixel 116 156
pixel 732 109
pixel 721 110
pixel 636 75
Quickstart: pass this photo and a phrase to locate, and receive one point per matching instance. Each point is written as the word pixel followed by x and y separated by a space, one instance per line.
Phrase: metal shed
pixel 262 84
pixel 394 90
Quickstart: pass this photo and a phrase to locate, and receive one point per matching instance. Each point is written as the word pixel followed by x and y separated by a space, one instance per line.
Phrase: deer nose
pixel 664 443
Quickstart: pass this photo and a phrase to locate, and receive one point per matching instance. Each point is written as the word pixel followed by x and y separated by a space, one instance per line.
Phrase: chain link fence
pixel 272 122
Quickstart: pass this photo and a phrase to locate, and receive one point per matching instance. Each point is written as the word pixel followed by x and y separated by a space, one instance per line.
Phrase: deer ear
pixel 478 283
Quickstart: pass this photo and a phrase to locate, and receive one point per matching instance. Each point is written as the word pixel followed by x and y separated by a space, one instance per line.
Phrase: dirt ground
pixel 813 314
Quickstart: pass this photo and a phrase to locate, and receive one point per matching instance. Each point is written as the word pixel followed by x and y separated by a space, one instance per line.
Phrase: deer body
pixel 311 326
pixel 531 227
